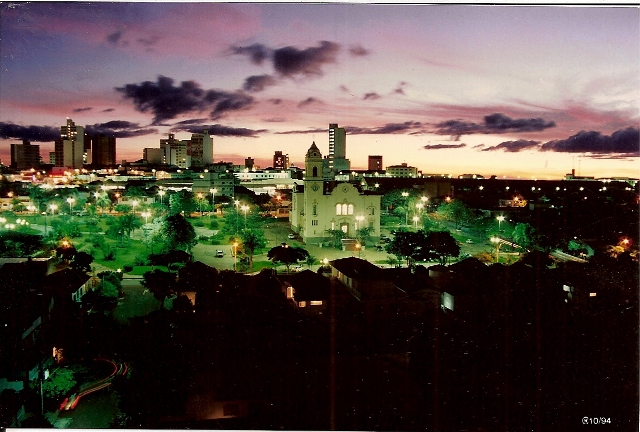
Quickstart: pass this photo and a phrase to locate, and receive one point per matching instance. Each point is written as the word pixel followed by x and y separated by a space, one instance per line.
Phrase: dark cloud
pixel 621 142
pixel 149 42
pixel 114 38
pixel 400 88
pixel 493 124
pixel 390 128
pixel 358 51
pixel 513 146
pixel 258 53
pixel 344 89
pixel 119 129
pixel 108 110
pixel 167 101
pixel 258 83
pixel 309 101
pixel 195 126
pixel 78 110
pixel 371 96
pixel 276 101
pixel 31 133
pixel 443 146
pixel 290 61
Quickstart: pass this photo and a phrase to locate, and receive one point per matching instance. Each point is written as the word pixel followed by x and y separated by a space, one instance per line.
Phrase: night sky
pixel 511 91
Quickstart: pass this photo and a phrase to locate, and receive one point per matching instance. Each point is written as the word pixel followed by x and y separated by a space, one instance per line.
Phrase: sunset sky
pixel 505 90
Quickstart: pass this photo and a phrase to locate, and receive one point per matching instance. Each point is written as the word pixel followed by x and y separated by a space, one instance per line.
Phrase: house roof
pixel 65 281
pixel 356 268
pixel 309 285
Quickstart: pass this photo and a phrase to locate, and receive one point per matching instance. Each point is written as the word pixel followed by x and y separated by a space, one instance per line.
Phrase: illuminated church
pixel 318 205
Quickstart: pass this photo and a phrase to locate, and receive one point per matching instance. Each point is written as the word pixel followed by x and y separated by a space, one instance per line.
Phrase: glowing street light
pixel 236 202
pixel 498 242
pixel 359 220
pixel 134 203
pixel 415 222
pixel 53 208
pixel 245 208
pixel 213 200
pixel 145 215
pixel 358 248
pixel 161 192
pixel 200 201
pixel 235 255
pixel 500 219
pixel 405 195
pixel 70 201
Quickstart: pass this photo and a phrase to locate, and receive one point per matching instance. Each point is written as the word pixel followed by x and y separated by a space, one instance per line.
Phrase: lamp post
pixel 415 222
pixel 134 203
pixel 145 215
pixel 44 213
pixel 161 192
pixel 213 200
pixel 235 255
pixel 53 208
pixel 500 219
pixel 405 195
pixel 498 242
pixel 236 203
pixel 70 201
pixel 359 220
pixel 245 208
pixel 200 202
pixel 358 248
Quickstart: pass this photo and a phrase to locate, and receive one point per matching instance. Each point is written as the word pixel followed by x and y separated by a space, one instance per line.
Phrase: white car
pixel 469 241
pixel 292 236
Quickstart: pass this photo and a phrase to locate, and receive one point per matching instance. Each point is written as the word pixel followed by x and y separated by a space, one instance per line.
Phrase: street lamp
pixel 500 219
pixel 245 208
pixel 358 248
pixel 498 242
pixel 236 203
pixel 415 222
pixel 70 201
pixel 235 255
pixel 53 208
pixel 406 209
pixel 359 219
pixel 134 203
pixel 145 215
pixel 161 192
pixel 213 200
pixel 44 213
pixel 200 202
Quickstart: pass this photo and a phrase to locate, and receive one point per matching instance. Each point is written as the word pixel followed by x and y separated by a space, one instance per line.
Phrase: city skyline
pixel 505 90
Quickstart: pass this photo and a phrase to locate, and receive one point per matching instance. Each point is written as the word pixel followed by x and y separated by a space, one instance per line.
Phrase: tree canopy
pixel 251 241
pixel 423 246
pixel 179 233
pixel 287 255
pixel 457 212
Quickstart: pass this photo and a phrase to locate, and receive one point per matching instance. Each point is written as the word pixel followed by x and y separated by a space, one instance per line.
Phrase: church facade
pixel 318 205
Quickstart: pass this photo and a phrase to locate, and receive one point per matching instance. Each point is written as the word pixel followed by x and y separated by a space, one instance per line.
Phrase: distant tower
pixel 25 155
pixel 69 148
pixel 337 143
pixel 280 161
pixel 103 152
pixel 201 149
pixel 375 163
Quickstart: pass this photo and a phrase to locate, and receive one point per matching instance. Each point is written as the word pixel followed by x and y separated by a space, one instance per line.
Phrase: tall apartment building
pixel 375 163
pixel 69 149
pixel 201 145
pixel 103 152
pixel 337 157
pixel 176 152
pixel 280 161
pixel 153 156
pixel 25 155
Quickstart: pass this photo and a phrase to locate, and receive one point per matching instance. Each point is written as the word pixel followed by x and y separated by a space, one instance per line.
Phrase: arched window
pixel 350 210
pixel 344 209
pixel 315 171
pixel 315 209
pixel 338 209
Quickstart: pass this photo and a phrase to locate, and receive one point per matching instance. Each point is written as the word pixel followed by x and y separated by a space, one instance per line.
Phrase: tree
pixel 287 255
pixel 252 240
pixel 457 212
pixel 442 246
pixel 311 260
pixel 363 235
pixel 124 226
pixel 103 202
pixel 336 237
pixel 410 246
pixel 179 233
pixel 16 244
pixel 525 235
pixel 82 261
pixel 160 283
pixel 182 202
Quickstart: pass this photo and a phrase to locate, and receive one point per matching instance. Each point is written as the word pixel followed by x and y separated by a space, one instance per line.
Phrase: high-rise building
pixel 280 161
pixel 103 151
pixel 176 152
pixel 154 156
pixel 337 143
pixel 375 163
pixel 25 155
pixel 201 149
pixel 69 148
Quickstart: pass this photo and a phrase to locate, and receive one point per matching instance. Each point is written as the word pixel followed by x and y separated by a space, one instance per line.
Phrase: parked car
pixel 469 241
pixel 219 254
pixel 292 236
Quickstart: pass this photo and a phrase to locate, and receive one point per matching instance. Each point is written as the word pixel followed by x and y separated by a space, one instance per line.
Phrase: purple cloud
pixel 493 124
pixel 358 51
pixel 31 133
pixel 119 129
pixel 371 96
pixel 443 146
pixel 513 146
pixel 258 53
pixel 78 110
pixel 196 126
pixel 290 61
pixel 258 83
pixel 309 101
pixel 621 142
pixel 167 101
